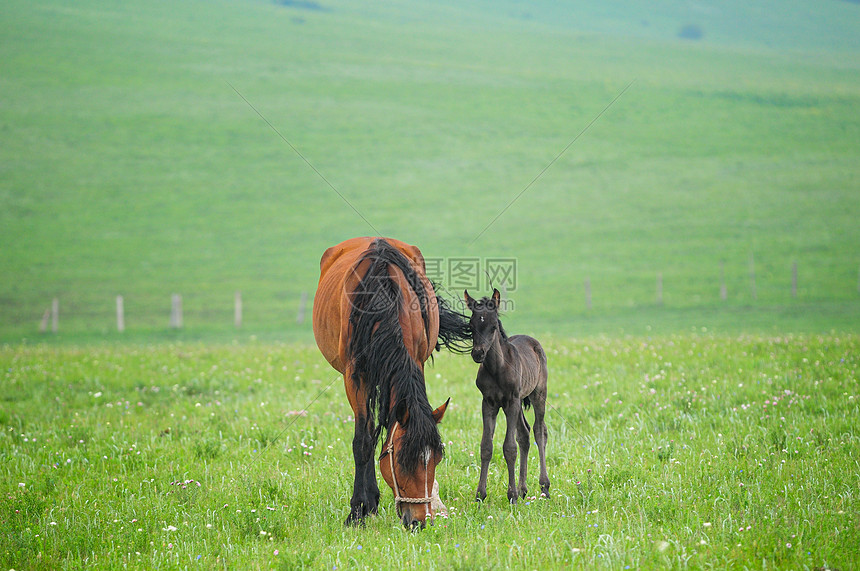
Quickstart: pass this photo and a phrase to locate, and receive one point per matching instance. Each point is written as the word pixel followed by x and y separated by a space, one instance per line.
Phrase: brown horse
pixel 377 320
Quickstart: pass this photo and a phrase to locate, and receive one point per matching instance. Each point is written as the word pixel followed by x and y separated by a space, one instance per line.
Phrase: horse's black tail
pixel 455 334
pixel 381 363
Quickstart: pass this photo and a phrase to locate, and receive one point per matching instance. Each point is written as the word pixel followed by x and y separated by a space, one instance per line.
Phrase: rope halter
pixel 398 499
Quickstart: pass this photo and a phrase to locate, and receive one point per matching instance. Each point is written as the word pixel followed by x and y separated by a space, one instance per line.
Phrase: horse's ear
pixel 401 413
pixel 469 301
pixel 496 297
pixel 440 412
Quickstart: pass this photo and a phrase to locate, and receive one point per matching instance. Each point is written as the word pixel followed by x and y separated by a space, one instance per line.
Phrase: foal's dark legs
pixel 489 413
pixel 539 405
pixel 513 413
pixel 524 441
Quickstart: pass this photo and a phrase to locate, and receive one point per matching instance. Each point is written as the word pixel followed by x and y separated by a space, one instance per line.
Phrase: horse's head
pixel 410 471
pixel 485 324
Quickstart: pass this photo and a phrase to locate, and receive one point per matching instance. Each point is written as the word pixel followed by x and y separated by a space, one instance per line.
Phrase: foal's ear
pixel 496 297
pixel 469 301
pixel 440 412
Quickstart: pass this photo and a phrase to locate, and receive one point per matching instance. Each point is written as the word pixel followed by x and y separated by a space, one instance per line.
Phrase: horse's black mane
pixel 381 363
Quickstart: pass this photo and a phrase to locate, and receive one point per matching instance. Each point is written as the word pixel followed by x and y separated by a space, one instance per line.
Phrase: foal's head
pixel 485 324
pixel 408 465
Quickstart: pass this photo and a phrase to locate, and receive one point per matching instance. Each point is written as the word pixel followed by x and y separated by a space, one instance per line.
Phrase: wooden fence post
pixel 55 315
pixel 43 325
pixel 176 311
pixel 794 279
pixel 237 309
pixel 724 293
pixel 752 277
pixel 588 294
pixel 303 302
pixel 120 314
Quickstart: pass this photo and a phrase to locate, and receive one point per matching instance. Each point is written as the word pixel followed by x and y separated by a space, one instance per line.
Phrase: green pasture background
pixel 140 157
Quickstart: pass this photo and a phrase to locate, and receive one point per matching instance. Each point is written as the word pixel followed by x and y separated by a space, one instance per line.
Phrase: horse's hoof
pixel 355 518
pixel 415 526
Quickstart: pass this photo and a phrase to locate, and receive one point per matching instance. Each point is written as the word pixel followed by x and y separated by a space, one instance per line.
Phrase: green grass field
pixel 131 166
pixel 694 451
pixel 146 151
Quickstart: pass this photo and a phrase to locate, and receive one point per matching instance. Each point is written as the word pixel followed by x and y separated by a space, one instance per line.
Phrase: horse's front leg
pixel 509 448
pixel 365 492
pixel 488 412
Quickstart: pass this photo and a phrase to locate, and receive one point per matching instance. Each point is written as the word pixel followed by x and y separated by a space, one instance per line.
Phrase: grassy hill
pixel 135 160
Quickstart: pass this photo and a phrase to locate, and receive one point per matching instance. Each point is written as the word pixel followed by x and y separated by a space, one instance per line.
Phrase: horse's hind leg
pixel 539 405
pixel 524 440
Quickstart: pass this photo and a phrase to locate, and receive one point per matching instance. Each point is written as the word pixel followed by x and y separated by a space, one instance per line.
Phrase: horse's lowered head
pixel 485 324
pixel 408 464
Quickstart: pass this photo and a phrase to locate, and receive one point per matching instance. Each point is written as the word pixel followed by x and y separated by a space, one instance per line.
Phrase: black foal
pixel 512 376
